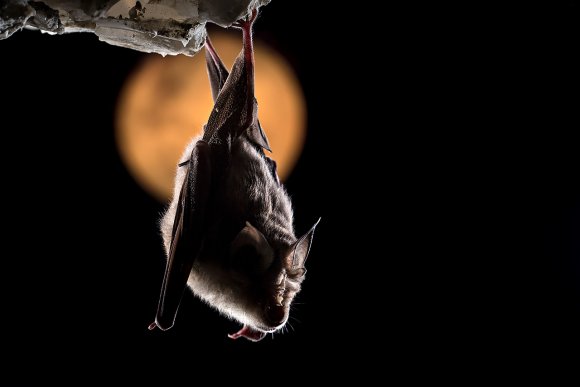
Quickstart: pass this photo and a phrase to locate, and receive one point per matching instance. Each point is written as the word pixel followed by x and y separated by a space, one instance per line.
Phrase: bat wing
pixel 208 156
pixel 188 234
pixel 218 74
pixel 234 112
pixel 216 70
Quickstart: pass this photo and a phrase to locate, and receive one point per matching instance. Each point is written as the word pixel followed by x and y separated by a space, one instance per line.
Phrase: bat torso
pixel 253 192
pixel 249 191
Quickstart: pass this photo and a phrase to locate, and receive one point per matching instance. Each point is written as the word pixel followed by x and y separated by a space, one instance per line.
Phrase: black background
pixel 441 155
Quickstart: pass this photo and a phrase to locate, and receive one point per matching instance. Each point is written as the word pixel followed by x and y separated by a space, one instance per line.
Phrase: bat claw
pixel 245 23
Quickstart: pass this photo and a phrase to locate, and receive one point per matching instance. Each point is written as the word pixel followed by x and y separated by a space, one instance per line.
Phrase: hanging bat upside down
pixel 228 232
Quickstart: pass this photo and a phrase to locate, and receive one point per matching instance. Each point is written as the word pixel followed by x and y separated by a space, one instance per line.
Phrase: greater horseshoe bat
pixel 228 232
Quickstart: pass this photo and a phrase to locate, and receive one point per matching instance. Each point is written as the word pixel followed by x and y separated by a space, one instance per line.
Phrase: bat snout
pixel 275 315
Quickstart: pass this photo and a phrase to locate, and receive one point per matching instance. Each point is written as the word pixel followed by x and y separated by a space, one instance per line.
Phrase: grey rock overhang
pixel 166 27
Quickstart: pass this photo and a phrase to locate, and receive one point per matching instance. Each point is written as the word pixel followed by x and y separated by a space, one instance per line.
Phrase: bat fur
pixel 230 219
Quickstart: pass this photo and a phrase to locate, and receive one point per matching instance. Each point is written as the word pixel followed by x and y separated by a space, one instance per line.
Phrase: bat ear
pixel 301 248
pixel 250 251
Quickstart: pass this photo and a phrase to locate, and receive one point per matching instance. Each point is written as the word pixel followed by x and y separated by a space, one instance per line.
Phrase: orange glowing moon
pixel 167 101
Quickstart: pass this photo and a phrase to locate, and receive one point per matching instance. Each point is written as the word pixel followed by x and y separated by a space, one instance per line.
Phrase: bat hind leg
pixel 246 26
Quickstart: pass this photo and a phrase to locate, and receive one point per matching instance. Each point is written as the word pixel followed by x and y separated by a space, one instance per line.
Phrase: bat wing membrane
pixel 218 74
pixel 188 234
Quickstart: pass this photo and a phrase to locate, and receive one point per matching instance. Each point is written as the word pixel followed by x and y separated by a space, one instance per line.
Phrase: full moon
pixel 166 102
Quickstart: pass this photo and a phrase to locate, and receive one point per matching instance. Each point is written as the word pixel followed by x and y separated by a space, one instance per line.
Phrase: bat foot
pixel 246 24
pixel 152 326
pixel 249 333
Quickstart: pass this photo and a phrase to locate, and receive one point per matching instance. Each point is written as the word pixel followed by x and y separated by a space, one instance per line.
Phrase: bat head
pixel 272 276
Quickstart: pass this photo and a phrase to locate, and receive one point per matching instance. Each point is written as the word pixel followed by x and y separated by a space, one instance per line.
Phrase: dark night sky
pixel 462 235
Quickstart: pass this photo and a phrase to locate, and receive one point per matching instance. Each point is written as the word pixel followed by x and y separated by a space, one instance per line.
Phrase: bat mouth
pixel 250 333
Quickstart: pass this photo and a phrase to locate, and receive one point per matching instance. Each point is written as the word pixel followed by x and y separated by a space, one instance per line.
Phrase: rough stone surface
pixel 167 27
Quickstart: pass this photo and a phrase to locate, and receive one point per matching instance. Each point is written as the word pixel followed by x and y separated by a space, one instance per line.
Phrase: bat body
pixel 228 232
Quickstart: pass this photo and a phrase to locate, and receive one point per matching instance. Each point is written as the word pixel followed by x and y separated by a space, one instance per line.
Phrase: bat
pixel 228 232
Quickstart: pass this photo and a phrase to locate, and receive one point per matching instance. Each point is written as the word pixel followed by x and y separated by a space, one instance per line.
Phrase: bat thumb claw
pixel 160 325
